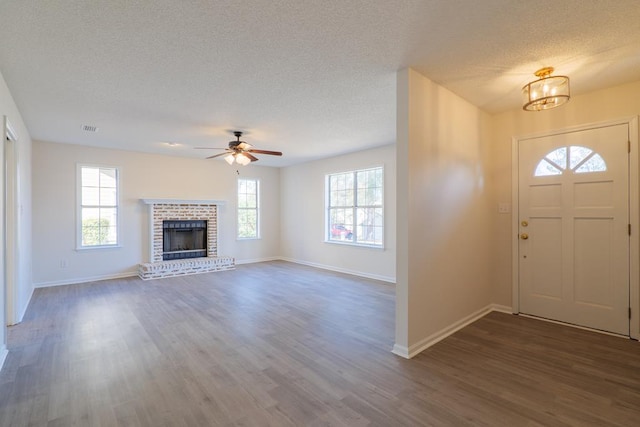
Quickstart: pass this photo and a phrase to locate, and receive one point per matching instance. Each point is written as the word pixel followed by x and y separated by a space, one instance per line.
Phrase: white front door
pixel 574 227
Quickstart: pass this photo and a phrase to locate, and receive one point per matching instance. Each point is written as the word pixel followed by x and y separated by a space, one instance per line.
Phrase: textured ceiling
pixel 310 78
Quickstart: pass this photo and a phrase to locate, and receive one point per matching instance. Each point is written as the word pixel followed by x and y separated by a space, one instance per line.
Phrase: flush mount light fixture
pixel 545 93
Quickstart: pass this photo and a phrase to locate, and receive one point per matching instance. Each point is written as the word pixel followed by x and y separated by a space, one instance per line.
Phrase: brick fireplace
pixel 161 210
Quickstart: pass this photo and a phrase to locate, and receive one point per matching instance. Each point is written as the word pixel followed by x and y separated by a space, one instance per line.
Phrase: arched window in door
pixel 574 158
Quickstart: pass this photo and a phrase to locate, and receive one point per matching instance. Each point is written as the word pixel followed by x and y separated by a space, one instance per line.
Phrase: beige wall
pixel 609 104
pixel 443 205
pixel 142 176
pixel 303 216
pixel 21 224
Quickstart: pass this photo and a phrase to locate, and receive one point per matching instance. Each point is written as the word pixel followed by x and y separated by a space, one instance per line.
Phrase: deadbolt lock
pixel 524 236
pixel 524 223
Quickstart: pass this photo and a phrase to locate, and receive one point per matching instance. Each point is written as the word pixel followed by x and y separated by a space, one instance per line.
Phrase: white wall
pixel 443 208
pixel 141 176
pixel 609 104
pixel 20 159
pixel 22 223
pixel 303 216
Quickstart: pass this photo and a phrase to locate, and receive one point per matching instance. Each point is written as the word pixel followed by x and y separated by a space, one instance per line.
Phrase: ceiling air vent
pixel 89 128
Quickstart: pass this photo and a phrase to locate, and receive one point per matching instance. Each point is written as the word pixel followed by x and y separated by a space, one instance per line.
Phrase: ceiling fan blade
pixel 208 148
pixel 252 158
pixel 217 155
pixel 271 153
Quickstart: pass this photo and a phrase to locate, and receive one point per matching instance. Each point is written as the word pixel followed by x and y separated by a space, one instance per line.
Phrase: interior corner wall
pixel 55 258
pixel 22 226
pixel 443 157
pixel 604 105
pixel 303 216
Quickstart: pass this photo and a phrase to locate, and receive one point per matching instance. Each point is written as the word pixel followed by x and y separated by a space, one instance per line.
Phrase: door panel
pixel 593 194
pixel 545 196
pixel 546 266
pixel 593 278
pixel 574 208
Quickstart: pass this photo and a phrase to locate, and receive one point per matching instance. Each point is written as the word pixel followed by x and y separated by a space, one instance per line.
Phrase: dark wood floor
pixel 285 345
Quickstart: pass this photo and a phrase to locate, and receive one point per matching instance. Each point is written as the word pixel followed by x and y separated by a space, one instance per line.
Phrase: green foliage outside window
pixel 95 232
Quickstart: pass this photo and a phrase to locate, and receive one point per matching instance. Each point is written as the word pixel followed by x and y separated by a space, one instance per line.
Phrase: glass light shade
pixel 545 93
pixel 229 159
pixel 243 160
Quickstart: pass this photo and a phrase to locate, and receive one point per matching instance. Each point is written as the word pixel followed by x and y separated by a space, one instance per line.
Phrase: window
pixel 354 207
pixel 248 209
pixel 574 158
pixel 98 206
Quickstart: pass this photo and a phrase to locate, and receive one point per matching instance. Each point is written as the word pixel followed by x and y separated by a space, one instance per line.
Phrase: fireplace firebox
pixel 184 239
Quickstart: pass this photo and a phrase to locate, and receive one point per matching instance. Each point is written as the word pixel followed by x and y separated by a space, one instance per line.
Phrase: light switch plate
pixel 504 208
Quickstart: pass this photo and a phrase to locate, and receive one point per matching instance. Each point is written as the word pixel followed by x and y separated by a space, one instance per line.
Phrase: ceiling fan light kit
pixel 241 152
pixel 545 93
pixel 239 158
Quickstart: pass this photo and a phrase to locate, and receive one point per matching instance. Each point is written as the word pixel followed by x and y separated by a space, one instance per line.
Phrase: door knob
pixel 524 236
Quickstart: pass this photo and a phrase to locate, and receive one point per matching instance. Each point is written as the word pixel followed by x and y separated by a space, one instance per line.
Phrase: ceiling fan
pixel 240 152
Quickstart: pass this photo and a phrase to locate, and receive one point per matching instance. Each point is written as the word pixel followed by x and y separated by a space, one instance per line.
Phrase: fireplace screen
pixel 184 239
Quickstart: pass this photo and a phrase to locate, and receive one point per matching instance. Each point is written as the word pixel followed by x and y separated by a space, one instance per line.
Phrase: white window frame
pixel 79 206
pixel 560 169
pixel 239 209
pixel 328 207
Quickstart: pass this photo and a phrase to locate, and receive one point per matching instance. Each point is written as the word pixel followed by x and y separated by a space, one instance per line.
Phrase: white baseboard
pixel 342 270
pixel 85 279
pixel 501 308
pixel 255 260
pixel 436 337
pixel 3 355
pixel 238 262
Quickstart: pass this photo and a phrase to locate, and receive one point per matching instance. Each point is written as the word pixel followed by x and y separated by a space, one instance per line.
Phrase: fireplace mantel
pixel 181 202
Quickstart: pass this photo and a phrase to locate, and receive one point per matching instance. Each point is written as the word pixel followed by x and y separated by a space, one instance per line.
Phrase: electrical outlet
pixel 504 208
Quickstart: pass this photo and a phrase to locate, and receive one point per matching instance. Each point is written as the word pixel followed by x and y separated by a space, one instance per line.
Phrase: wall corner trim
pixel 3 355
pixel 400 350
pixel 438 336
pixel 24 309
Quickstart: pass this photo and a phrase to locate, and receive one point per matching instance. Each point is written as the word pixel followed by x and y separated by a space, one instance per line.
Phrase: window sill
pixel 243 239
pixel 355 245
pixel 91 248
